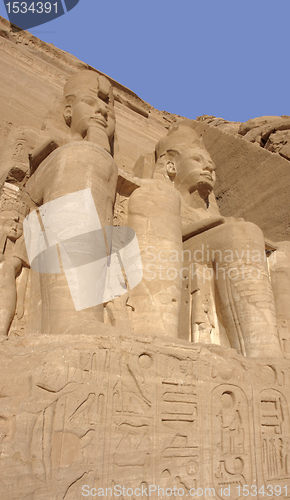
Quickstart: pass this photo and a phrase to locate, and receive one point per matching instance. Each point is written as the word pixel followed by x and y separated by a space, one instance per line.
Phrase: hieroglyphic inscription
pixel 275 433
pixel 178 457
pixel 231 457
pixel 131 435
pixel 61 426
pixel 37 65
pixel 34 44
pixel 15 163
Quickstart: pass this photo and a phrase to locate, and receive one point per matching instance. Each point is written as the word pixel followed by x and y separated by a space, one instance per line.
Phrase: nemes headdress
pixel 180 136
pixel 88 79
pixel 10 200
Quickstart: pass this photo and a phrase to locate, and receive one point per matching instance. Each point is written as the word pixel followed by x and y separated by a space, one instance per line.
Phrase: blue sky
pixel 225 58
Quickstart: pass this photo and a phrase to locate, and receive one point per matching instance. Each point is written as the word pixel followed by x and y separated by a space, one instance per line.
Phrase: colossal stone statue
pixel 178 205
pixel 80 160
pixel 181 233
pixel 12 256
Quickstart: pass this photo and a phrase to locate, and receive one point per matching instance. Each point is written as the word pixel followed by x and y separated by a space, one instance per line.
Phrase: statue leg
pixel 245 295
pixel 154 215
pixel 279 265
pixel 7 310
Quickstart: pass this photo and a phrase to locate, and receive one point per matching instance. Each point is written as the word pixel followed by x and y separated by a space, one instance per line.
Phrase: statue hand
pixel 193 228
pixel 38 154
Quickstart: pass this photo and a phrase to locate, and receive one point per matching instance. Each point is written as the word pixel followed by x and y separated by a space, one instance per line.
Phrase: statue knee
pixel 242 231
pixel 238 241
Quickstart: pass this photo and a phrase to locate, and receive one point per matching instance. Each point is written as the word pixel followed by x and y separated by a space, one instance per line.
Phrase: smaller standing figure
pixel 12 254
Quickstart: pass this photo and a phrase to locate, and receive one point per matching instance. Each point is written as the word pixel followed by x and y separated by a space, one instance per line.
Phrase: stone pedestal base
pixel 80 412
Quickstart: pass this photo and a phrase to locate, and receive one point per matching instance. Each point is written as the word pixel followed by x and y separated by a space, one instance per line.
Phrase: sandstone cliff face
pixel 33 74
pixel 269 132
pixel 253 169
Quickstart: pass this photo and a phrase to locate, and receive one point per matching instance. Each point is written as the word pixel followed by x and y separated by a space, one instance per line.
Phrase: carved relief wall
pixel 129 413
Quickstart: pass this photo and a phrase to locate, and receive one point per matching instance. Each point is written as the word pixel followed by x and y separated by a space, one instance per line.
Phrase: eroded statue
pixel 229 292
pixel 81 159
pixel 206 277
pixel 12 256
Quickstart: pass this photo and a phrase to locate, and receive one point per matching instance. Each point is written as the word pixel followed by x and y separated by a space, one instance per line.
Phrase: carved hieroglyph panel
pixel 131 432
pixel 178 458
pixel 231 452
pixel 60 426
pixel 275 436
pixel 111 410
pixel 99 416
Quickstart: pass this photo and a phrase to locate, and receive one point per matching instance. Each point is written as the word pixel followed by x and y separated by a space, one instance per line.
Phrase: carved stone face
pixel 195 169
pixel 11 225
pixel 92 107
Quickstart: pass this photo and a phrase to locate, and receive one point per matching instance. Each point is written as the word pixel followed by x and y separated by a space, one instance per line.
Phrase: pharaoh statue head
pixel 89 108
pixel 181 157
pixel 11 224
